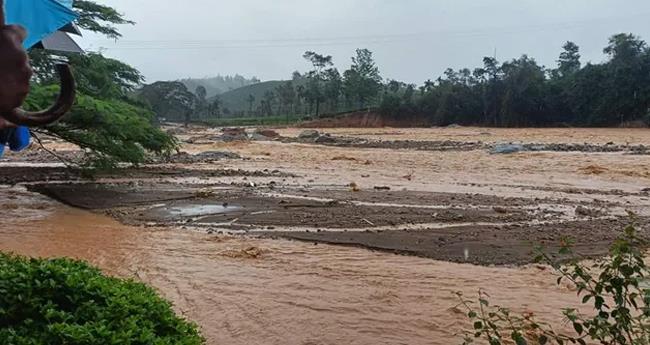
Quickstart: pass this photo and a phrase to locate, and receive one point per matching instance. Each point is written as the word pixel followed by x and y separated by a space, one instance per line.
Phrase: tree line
pixel 518 92
pixel 323 89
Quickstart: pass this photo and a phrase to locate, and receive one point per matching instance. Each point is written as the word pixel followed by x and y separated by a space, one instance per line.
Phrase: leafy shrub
pixel 62 301
pixel 616 287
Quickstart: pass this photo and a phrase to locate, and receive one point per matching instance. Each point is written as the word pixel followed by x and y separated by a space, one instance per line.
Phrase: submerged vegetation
pixel 62 301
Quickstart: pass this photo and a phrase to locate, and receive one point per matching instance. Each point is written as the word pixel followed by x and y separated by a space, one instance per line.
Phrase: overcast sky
pixel 413 40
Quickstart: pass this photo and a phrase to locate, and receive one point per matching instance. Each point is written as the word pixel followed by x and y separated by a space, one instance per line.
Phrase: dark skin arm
pixel 15 71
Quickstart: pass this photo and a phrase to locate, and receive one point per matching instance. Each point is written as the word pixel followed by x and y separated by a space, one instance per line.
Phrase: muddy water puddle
pixel 255 291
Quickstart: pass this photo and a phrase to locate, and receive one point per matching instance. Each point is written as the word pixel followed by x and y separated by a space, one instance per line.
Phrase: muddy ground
pixel 470 228
pixel 290 241
pixel 386 197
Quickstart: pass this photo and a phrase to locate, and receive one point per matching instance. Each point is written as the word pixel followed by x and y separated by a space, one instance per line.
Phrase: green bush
pixel 62 301
pixel 614 290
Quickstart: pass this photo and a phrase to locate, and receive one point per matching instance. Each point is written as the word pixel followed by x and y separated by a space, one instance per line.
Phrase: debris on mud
pixel 309 134
pixel 316 137
pixel 233 134
pixel 478 244
pixel 506 149
pixel 243 253
pixel 203 157
pixel 588 212
pixel 266 133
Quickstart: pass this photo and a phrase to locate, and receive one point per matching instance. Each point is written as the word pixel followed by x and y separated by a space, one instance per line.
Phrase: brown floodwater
pixel 250 291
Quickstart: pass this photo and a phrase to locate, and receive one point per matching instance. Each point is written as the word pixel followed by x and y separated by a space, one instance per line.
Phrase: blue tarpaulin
pixel 40 17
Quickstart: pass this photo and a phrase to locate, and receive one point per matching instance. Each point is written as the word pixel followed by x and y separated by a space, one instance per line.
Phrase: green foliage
pixel 112 131
pixel 362 81
pixel 616 288
pixel 106 121
pixel 170 100
pixel 61 301
pixel 99 18
pixel 103 77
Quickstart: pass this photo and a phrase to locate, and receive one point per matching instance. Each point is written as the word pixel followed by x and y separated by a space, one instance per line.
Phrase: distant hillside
pixel 219 84
pixel 237 100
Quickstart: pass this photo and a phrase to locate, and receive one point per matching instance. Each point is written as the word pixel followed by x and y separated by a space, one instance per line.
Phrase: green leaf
pixel 543 340
pixel 578 327
pixel 471 314
pixel 478 325
pixel 518 338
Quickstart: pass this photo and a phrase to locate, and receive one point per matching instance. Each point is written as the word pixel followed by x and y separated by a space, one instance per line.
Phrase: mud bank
pixel 453 145
pixel 468 228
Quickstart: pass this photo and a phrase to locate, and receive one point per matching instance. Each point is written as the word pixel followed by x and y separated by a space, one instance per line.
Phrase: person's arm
pixel 15 70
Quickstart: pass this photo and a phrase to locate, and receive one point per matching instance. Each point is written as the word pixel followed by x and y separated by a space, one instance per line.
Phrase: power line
pixel 349 40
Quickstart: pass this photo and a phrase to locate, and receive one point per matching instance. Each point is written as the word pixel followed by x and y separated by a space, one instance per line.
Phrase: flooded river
pixel 250 291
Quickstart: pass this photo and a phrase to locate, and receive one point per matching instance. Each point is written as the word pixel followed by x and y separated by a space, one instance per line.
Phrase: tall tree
pixel 315 92
pixel 201 102
pixel 251 103
pixel 362 81
pixel 287 95
pixel 569 62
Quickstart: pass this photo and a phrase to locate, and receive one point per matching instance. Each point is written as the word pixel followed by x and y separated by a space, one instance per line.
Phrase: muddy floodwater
pixel 304 243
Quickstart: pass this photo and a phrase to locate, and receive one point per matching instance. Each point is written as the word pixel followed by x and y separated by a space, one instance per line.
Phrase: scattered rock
pixel 309 134
pixel 269 133
pixel 506 149
pixel 258 137
pixel 244 253
pixel 203 157
pixel 261 134
pixel 234 134
pixel 587 212
pixel 343 158
pixel 325 138
pixel 234 130
pixel 593 170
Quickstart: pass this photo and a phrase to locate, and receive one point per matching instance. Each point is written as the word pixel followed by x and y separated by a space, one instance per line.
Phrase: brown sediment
pixel 479 229
pixel 243 291
pixel 257 287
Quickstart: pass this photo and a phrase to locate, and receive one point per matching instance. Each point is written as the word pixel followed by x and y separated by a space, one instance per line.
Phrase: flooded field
pixel 291 241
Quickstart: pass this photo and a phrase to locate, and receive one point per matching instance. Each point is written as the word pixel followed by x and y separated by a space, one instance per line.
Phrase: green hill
pixel 237 100
pixel 219 84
